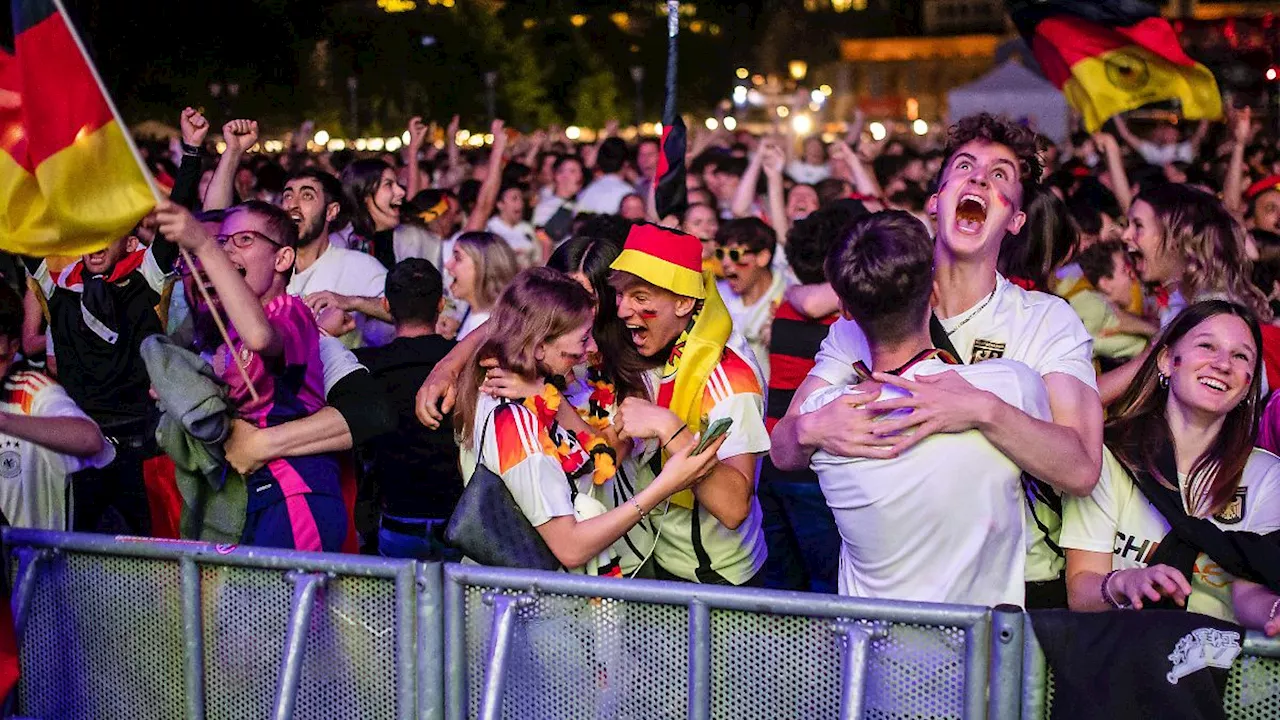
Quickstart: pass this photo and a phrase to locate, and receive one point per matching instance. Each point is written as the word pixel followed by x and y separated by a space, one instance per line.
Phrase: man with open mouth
pixel 991 165
pixel 702 371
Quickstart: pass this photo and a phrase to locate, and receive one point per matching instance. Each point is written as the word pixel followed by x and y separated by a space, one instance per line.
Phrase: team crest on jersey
pixel 1233 513
pixel 986 350
pixel 10 464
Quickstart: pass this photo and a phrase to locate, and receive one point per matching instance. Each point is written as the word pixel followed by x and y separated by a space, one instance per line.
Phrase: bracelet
pixel 636 504
pixel 674 435
pixel 190 150
pixel 1274 607
pixel 1106 592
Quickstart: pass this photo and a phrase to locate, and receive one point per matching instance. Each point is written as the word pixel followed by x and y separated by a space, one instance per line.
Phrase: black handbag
pixel 489 527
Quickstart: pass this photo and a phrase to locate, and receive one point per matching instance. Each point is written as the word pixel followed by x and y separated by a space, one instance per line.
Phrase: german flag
pixel 669 194
pixel 70 177
pixel 1112 56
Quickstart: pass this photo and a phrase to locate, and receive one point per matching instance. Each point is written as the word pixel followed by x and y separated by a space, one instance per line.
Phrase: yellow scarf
pixel 696 354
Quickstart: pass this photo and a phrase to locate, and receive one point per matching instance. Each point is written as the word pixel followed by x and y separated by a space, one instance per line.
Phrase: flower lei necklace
pixel 593 448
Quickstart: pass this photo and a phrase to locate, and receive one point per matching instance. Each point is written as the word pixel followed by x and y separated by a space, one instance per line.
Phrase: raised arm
pixel 239 135
pixel 243 308
pixel 746 192
pixel 417 135
pixel 1115 168
pixel 773 162
pixel 864 180
pixel 1122 129
pixel 1233 188
pixel 488 195
pixel 186 186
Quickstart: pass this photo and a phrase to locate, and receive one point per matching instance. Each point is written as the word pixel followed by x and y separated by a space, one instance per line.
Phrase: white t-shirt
pixel 1165 154
pixel 604 195
pixel 34 479
pixel 803 172
pixel 753 321
pixel 474 319
pixel 347 272
pixel 549 205
pixel 1034 328
pixel 514 442
pixel 733 390
pixel 519 236
pixel 1118 519
pixel 945 521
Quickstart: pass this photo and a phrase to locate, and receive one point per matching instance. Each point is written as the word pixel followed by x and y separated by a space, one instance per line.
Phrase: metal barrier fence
pixel 129 627
pixel 1252 693
pixel 123 627
pixel 540 645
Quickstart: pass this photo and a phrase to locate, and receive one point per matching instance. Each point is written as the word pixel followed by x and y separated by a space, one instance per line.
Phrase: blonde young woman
pixel 482 265
pixel 541 327
pixel 1185 243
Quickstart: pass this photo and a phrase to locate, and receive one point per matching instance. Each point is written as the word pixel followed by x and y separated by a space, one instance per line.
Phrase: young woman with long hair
pixel 482 264
pixel 373 197
pixel 1181 445
pixel 542 327
pixel 1186 244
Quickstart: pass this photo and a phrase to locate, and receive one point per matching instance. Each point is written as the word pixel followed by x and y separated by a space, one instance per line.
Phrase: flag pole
pixel 155 193
pixel 673 53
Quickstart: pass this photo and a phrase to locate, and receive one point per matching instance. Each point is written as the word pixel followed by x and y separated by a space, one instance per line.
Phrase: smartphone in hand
pixel 717 428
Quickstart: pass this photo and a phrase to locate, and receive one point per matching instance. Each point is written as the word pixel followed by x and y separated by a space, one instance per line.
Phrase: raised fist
pixel 417 131
pixel 194 127
pixel 240 135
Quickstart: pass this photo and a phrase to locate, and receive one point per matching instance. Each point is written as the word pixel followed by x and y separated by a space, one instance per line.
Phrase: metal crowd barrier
pixel 1252 692
pixel 129 627
pixel 543 645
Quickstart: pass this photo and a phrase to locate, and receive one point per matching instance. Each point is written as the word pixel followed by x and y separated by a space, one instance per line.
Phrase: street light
pixel 798 69
pixel 637 74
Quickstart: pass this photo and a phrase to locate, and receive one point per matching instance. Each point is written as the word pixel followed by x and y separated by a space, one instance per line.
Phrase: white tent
pixel 1017 92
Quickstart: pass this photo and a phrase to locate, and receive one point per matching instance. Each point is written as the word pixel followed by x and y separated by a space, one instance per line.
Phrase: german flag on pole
pixel 71 180
pixel 1112 56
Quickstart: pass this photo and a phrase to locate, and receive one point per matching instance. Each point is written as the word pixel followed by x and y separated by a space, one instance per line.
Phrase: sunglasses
pixel 245 239
pixel 737 256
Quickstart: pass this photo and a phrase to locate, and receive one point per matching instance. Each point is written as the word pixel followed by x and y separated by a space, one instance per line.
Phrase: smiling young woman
pixel 1181 446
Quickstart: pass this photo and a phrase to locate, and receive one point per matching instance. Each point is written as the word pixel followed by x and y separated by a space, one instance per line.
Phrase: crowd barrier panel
pixel 112 627
pixel 1252 692
pixel 523 644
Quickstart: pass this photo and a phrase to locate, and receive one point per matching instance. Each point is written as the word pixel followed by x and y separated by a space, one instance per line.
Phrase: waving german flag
pixel 70 181
pixel 1112 56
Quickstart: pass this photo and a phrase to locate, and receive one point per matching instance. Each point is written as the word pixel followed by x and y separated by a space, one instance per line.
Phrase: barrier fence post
pixel 193 638
pixel 295 642
pixel 699 660
pixel 1035 674
pixel 455 647
pixel 977 667
pixel 504 621
pixel 430 643
pixel 29 561
pixel 1006 663
pixel 406 616
pixel 857 649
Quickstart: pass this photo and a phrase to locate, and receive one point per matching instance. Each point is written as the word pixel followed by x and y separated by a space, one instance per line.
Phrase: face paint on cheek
pixel 1177 360
pixel 648 314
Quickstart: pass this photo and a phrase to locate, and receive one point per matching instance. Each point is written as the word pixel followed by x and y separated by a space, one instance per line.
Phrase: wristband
pixel 674 435
pixel 1106 592
pixel 189 150
pixel 636 504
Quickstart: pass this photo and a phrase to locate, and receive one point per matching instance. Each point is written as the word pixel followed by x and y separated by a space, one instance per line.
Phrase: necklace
pixel 973 314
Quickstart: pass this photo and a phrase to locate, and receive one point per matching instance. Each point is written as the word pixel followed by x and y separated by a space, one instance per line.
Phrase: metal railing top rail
pixel 233 555
pixel 718 597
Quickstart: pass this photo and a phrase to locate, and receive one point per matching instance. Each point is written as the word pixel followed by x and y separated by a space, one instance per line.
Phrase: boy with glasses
pixel 295 502
pixel 750 288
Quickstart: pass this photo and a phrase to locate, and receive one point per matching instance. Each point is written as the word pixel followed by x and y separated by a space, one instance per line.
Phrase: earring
pixel 1164 380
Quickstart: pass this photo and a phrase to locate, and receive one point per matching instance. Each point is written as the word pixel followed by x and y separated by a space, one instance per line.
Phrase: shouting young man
pixel 701 372
pixel 991 164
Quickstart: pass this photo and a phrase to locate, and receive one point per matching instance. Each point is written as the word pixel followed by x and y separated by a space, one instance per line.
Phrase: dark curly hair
pixel 1001 131
pixel 810 240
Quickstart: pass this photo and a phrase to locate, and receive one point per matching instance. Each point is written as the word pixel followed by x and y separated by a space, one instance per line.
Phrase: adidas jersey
pixel 34 481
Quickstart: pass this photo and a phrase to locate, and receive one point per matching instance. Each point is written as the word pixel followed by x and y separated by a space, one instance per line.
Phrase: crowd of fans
pixel 984 370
